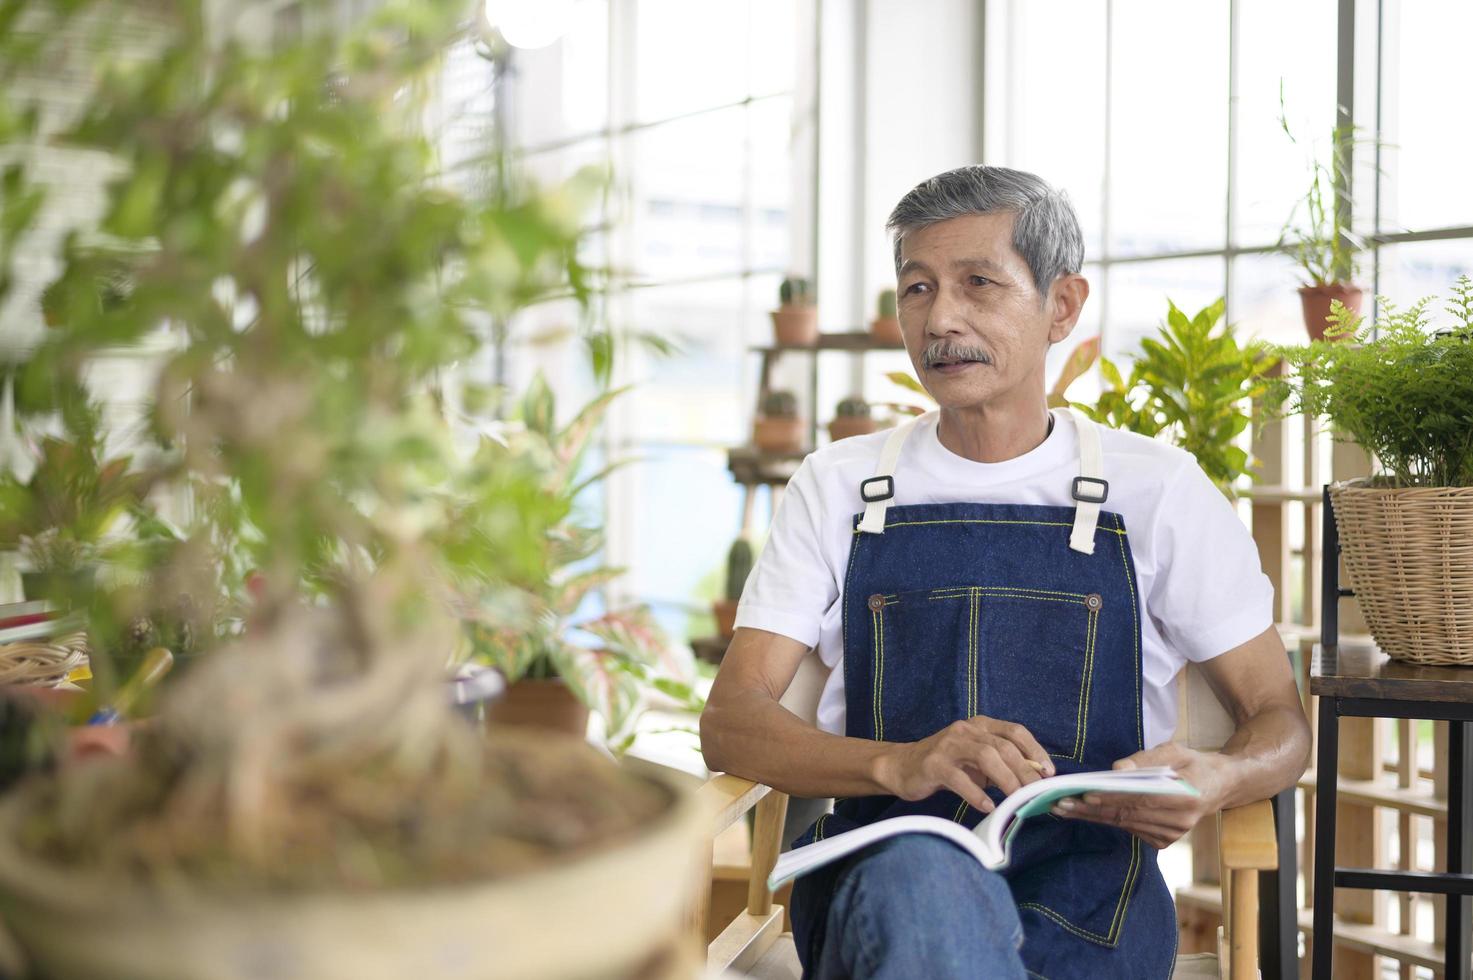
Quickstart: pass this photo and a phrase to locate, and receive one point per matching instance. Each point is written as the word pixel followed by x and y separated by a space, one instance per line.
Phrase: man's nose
pixel 947 316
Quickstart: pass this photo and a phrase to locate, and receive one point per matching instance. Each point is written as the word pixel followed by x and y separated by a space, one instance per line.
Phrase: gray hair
pixel 1045 230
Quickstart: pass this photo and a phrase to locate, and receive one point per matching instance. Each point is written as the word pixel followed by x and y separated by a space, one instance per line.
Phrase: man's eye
pixel 914 288
pixel 980 280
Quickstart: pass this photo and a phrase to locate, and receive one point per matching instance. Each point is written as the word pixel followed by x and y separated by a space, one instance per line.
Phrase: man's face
pixel 974 324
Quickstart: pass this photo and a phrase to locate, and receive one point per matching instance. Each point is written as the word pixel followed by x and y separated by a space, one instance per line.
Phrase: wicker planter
pixel 607 913
pixel 1409 557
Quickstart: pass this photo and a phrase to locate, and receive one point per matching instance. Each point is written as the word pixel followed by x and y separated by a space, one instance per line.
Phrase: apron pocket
pixel 1035 663
pixel 1080 876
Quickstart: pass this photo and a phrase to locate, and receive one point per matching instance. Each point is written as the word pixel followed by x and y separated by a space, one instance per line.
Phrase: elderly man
pixel 1001 592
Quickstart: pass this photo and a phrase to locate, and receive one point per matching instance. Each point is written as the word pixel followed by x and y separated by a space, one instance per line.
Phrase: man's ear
pixel 1066 298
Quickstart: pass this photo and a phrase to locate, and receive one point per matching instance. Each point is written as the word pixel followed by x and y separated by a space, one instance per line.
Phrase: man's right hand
pixel 965 757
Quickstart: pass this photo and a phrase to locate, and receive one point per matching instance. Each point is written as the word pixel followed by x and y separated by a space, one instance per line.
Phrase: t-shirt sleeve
pixel 793 584
pixel 1209 592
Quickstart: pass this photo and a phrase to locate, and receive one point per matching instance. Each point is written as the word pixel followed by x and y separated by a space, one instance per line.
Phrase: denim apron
pixel 1023 613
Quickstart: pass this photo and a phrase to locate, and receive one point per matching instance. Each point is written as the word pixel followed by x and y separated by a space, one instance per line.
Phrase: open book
pixel 991 841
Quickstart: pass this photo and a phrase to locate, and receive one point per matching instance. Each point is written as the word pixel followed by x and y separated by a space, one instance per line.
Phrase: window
pixel 691 106
pixel 1165 123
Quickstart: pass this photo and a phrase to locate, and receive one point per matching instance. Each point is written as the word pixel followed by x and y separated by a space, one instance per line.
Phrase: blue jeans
pixel 914 906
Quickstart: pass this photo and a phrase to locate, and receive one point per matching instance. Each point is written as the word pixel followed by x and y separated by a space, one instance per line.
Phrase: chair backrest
pixel 1202 722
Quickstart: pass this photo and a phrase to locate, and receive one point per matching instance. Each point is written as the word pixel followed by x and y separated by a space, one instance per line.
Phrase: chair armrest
pixel 725 799
pixel 1247 841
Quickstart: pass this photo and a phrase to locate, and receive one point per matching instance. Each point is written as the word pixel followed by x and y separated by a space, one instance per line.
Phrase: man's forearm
pixel 1268 753
pixel 753 736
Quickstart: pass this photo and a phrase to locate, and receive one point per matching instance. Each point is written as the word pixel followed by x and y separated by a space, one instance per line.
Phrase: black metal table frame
pixel 1456 883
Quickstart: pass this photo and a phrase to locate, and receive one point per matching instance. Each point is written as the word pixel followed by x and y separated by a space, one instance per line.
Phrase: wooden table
pixel 1363 683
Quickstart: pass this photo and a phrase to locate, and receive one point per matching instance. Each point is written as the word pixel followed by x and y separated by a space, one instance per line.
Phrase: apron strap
pixel 879 490
pixel 1090 489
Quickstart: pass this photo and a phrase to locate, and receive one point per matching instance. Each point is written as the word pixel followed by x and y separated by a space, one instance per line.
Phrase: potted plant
pixel 1191 383
pixel 305 803
pixel 564 662
pixel 1402 392
pixel 1319 239
pixel 851 418
pixel 777 428
pixel 738 567
pixel 885 327
pixel 795 321
pixel 58 519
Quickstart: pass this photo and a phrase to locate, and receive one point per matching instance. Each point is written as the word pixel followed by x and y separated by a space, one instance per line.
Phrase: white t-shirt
pixel 1203 590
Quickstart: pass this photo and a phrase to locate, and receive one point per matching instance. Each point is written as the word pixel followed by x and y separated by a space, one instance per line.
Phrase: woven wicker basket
pixel 1409 557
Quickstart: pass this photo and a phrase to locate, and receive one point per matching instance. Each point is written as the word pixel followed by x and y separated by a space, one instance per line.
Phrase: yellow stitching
pixel 1121 905
pixel 972 664
pixel 878 639
pixel 880 683
pixel 1089 676
pixel 1124 903
pixel 961 812
pixel 1084 680
pixel 1135 621
pixel 1005 589
pixel 983 521
pixel 818 830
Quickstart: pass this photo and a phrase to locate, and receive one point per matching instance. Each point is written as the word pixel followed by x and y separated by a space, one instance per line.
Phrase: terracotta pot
pixel 795 326
pixel 778 435
pixel 886 330
pixel 845 426
pixel 725 612
pixel 537 703
pixel 1316 302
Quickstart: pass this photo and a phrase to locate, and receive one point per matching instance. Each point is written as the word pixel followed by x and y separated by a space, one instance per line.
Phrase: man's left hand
pixel 1157 820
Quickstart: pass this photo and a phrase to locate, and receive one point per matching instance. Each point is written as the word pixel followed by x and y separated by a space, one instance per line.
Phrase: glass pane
pixel 688 183
pixel 1265 300
pixel 771 121
pixel 562 89
pixel 1168 144
pixel 1417 269
pixel 1138 292
pixel 1058 57
pixel 698 394
pixel 683 513
pixel 773 55
pixel 689 56
pixel 1273 170
pixel 1427 167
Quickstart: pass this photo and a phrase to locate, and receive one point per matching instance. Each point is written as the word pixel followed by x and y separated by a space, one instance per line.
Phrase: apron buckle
pixel 1091 497
pixel 888 482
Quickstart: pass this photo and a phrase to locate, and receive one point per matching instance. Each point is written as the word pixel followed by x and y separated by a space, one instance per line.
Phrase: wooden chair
pixel 754 944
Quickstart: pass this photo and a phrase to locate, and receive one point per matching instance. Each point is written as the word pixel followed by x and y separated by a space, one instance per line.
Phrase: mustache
pixel 944 351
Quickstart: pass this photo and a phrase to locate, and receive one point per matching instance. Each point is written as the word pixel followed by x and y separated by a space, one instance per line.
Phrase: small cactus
pixel 780 405
pixel 886 310
pixel 853 407
pixel 738 567
pixel 795 291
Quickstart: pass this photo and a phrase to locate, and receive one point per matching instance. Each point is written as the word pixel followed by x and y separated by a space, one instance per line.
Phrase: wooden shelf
pixel 751 466
pixel 1359 936
pixel 1370 793
pixel 1267 494
pixel 856 340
